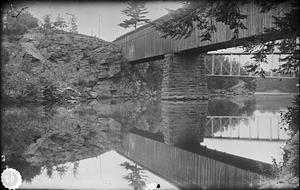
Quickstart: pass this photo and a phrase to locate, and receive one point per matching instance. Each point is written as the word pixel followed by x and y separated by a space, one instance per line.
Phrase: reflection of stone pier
pixel 183 122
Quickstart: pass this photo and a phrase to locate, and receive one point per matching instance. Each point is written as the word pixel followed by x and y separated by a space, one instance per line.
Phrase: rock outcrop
pixel 52 65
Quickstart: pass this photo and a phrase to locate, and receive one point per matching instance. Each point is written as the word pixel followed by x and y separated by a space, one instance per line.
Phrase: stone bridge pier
pixel 184 78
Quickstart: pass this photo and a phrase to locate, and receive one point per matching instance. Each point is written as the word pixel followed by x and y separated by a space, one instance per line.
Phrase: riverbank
pixel 286 174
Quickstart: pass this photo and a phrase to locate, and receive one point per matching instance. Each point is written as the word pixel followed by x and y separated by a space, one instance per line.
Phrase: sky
pixel 88 14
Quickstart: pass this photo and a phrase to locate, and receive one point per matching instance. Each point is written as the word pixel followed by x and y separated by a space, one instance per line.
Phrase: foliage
pixel 27 171
pixel 75 168
pixel 154 77
pixel 73 24
pixel 221 82
pixel 204 15
pixel 20 83
pixel 290 163
pixel 291 117
pixel 226 106
pixel 47 25
pixel 20 129
pixel 59 23
pixel 49 170
pixel 17 22
pixel 61 169
pixel 150 74
pixel 136 11
pixel 136 177
pixel 288 27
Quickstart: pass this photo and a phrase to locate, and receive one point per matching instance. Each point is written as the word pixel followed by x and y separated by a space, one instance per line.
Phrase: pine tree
pixel 60 23
pixel 47 22
pixel 73 23
pixel 136 12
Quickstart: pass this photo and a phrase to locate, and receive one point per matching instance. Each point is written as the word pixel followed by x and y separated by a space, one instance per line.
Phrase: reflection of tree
pixel 136 177
pixel 61 169
pixel 21 127
pixel 49 171
pixel 75 168
pixel 27 170
pixel 228 107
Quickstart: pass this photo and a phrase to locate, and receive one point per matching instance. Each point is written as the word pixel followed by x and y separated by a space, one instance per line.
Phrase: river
pixel 118 144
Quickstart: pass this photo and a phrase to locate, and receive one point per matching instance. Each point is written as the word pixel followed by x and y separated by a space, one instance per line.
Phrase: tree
pixel 205 14
pixel 73 23
pixel 136 177
pixel 136 12
pixel 47 22
pixel 75 167
pixel 17 21
pixel 59 23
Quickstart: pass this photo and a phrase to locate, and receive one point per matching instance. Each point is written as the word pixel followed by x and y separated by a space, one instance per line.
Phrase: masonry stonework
pixel 184 78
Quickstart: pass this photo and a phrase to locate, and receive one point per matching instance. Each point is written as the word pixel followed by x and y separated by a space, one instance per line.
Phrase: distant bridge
pixel 217 65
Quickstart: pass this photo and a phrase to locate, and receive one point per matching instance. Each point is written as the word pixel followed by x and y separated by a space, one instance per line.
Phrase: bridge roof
pixel 146 44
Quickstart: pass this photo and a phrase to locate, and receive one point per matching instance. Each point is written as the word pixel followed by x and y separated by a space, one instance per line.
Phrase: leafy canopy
pixel 205 14
pixel 136 11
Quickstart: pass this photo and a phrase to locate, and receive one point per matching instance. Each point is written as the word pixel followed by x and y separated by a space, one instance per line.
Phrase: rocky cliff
pixel 55 65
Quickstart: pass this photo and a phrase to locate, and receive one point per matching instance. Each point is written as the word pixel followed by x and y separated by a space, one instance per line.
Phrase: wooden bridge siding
pixel 146 42
pixel 183 168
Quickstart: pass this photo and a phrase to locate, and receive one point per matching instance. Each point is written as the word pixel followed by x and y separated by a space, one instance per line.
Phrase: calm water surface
pixel 221 143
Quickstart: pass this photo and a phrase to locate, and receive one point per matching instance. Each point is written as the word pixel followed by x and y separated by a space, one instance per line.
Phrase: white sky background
pixel 102 172
pixel 88 14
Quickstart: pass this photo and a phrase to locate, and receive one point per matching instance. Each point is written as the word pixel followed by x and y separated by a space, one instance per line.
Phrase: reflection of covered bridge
pixel 184 72
pixel 192 169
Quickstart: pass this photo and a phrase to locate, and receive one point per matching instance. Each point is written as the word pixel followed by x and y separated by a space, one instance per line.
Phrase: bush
pixel 19 25
pixel 292 116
